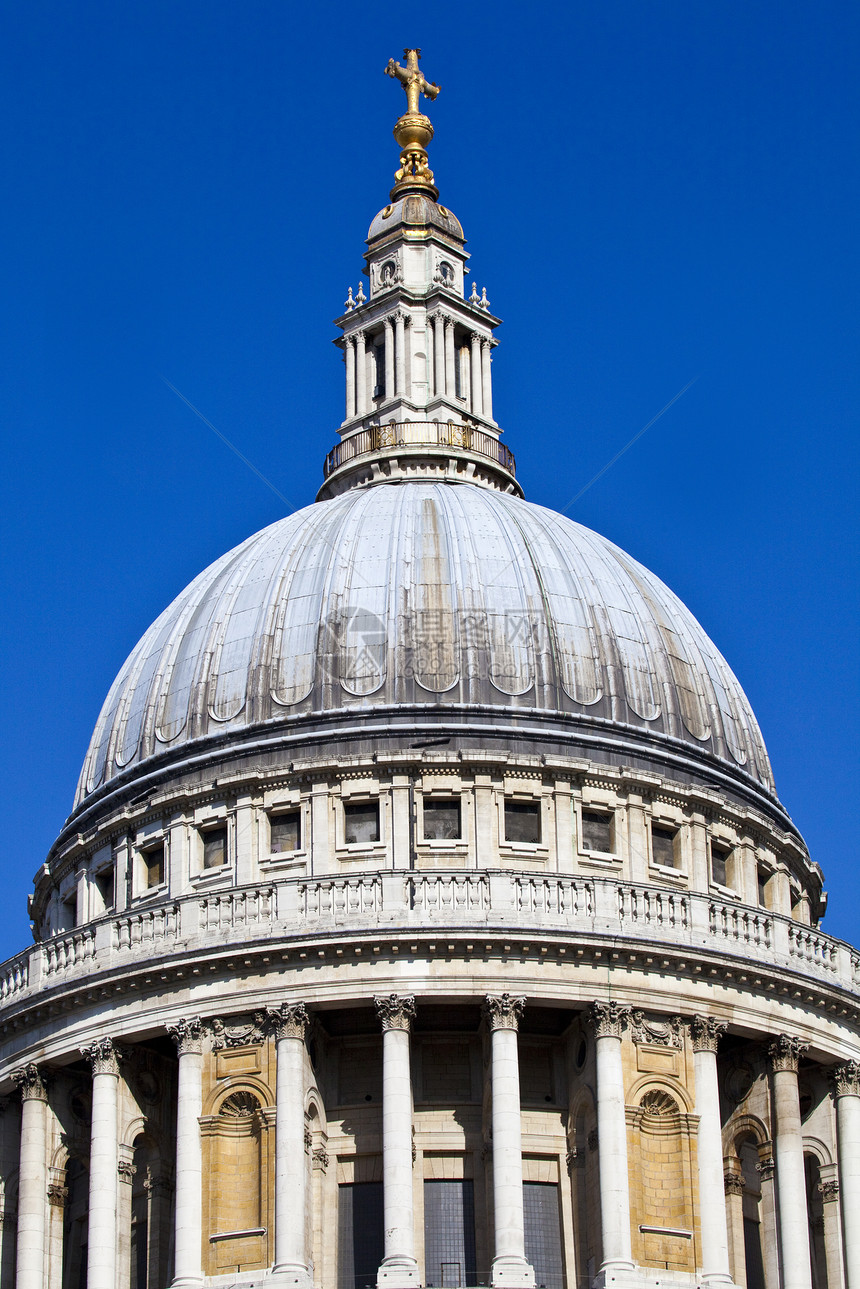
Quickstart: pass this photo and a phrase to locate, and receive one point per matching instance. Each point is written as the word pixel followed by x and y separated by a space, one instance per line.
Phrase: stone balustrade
pixel 298 907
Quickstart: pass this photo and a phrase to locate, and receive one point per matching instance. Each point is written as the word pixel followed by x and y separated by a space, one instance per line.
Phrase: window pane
pixel 762 887
pixel 543 1233
pixel 596 831
pixel 361 822
pixel 360 1237
pixel 522 821
pixel 449 1234
pixel 285 833
pixel 154 860
pixel 719 865
pixel 105 884
pixel 663 846
pixel 441 819
pixel 215 848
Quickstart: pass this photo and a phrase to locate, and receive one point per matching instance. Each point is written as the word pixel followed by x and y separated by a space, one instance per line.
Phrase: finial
pixel 349 303
pixel 474 298
pixel 484 302
pixel 413 131
pixel 361 297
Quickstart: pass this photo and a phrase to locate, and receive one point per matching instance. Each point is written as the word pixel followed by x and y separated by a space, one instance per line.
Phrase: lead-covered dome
pixel 448 598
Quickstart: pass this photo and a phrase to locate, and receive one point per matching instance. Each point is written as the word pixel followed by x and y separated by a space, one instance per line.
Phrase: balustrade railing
pixel 459 899
pixel 419 434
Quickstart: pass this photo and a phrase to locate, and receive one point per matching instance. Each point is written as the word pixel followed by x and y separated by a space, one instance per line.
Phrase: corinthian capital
pixel 503 1011
pixel 288 1021
pixel 846 1079
pixel 31 1082
pixel 103 1055
pixel 395 1011
pixel 785 1052
pixel 187 1034
pixel 609 1019
pixel 706 1032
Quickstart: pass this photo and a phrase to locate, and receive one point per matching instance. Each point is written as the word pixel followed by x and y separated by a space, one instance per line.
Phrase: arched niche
pixel 238 1164
pixel 662 1146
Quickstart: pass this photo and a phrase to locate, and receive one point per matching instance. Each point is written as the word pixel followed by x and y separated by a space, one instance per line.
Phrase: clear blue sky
pixel 652 192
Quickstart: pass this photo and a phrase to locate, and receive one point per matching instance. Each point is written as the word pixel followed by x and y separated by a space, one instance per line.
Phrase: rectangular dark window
pixel 522 821
pixel 361 822
pixel 441 819
pixel 153 860
pixel 449 1234
pixel 360 1234
pixel 543 1233
pixel 663 845
pixel 597 831
pixel 105 886
pixel 285 832
pixel 214 847
pixel 763 879
pixel 720 864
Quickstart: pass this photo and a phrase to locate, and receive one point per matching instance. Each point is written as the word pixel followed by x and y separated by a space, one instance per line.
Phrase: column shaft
pixel 788 1153
pixel 509 1259
pixel 712 1196
pixel 608 1020
pixel 349 354
pixel 847 1081
pixel 188 1222
pixel 486 381
pixel 399 1268
pixel 32 1180
pixel 104 1180
pixel 389 359
pixel 477 407
pixel 399 355
pixel 439 354
pixel 289 1024
pixel 450 372
pixel 360 375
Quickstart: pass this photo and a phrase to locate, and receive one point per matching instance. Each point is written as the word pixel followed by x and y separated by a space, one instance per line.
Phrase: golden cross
pixel 412 79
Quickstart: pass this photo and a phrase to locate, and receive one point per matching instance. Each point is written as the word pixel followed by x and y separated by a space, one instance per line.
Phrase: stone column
pixel 510 1267
pixel 32 1177
pixel 706 1032
pixel 769 1227
pixel 486 380
pixel 360 375
pixel 188 1223
pixel 450 374
pixel 784 1054
pixel 477 407
pixel 288 1024
pixel 438 354
pixel 828 1189
pixel 609 1020
pixel 103 1057
pixel 846 1089
pixel 399 353
pixel 388 327
pixel 734 1186
pixel 399 1268
pixel 349 356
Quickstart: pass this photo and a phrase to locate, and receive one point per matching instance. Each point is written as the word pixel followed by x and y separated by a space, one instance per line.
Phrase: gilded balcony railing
pixel 420 434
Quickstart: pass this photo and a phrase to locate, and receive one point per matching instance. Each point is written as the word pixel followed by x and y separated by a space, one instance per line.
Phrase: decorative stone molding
pixel 309 1141
pixel 288 1021
pixel 160 1185
pixel 734 1183
pixel 609 1019
pixel 660 1104
pixel 104 1056
pixel 31 1082
pixel 395 1011
pixel 662 1033
pixel 846 1079
pixel 766 1168
pixel 57 1195
pixel 785 1052
pixel 126 1170
pixel 320 1158
pixel 828 1190
pixel 503 1011
pixel 574 1159
pixel 237 1033
pixel 187 1034
pixel 706 1032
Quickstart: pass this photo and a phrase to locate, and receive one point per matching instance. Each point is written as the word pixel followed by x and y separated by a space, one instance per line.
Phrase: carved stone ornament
pixel 503 1011
pixel 659 1103
pixel 395 1011
pixel 309 1140
pixel 31 1083
pixel 237 1032
pixel 574 1159
pixel 187 1034
pixel 828 1190
pixel 609 1019
pixel 288 1021
pixel 126 1170
pixel 104 1056
pixel 158 1185
pixel 320 1158
pixel 57 1195
pixel 239 1105
pixel 785 1052
pixel 706 1032
pixel 662 1033
pixel 846 1079
pixel 734 1183
pixel 766 1167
